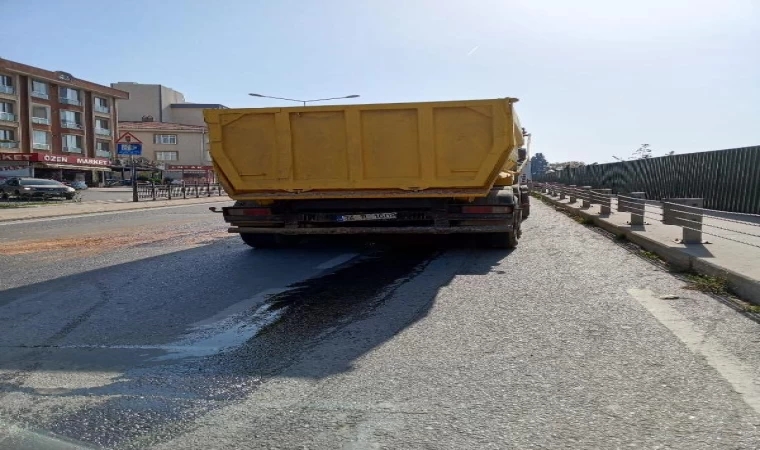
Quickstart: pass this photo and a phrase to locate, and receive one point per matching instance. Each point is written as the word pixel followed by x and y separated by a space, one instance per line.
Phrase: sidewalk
pixel 74 209
pixel 737 263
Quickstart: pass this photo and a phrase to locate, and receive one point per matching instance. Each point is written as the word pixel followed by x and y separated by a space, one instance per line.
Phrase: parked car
pixel 28 188
pixel 78 185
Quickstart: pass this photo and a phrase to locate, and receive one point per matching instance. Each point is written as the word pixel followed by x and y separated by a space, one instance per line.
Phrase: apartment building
pixel 173 131
pixel 160 103
pixel 53 125
pixel 181 151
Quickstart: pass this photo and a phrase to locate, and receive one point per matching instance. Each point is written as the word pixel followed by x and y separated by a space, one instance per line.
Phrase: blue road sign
pixel 129 149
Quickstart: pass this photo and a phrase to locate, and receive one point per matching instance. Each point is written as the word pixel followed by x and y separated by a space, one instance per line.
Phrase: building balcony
pixel 72 125
pixel 8 144
pixel 7 117
pixel 102 153
pixel 72 149
pixel 7 89
pixel 42 95
pixel 69 101
pixel 41 146
pixel 41 120
pixel 102 109
pixel 103 131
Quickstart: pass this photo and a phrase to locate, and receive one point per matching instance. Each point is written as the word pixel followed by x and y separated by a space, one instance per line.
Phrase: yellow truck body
pixel 450 149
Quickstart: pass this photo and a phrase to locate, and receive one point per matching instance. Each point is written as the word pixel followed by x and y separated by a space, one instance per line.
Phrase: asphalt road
pixel 156 329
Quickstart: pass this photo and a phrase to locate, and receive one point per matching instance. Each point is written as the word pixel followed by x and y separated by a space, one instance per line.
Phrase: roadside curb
pixel 747 288
pixel 107 208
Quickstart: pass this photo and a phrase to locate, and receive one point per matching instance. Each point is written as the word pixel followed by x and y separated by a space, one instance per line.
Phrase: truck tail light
pixel 250 212
pixel 258 212
pixel 487 209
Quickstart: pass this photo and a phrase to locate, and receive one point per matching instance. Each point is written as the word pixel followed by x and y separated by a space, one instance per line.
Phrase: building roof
pixel 159 126
pixel 198 105
pixel 62 78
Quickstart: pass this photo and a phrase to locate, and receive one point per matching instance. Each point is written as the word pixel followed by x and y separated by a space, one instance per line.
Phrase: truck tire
pixel 504 240
pixel 261 240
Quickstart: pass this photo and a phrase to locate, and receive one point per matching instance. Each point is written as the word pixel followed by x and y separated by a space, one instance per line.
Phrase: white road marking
pixel 730 368
pixel 338 260
pixel 221 332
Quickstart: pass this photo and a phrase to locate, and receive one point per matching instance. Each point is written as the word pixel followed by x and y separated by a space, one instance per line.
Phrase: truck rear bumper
pixel 377 230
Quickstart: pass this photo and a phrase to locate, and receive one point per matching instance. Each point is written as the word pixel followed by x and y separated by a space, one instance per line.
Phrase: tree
pixel 643 152
pixel 538 164
pixel 566 165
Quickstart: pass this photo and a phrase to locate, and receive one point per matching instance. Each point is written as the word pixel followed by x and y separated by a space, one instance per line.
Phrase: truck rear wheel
pixel 500 240
pixel 261 240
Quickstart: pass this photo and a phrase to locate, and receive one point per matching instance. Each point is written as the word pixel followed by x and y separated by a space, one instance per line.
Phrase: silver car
pixel 27 188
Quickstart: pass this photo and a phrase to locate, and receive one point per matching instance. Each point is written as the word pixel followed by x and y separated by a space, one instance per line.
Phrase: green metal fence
pixel 728 180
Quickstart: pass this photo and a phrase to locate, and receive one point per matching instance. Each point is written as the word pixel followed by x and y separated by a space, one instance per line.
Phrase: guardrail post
pixel 169 190
pixel 184 191
pixel 586 197
pixel 605 202
pixel 684 217
pixel 562 193
pixel 219 190
pixel 153 189
pixel 197 194
pixel 573 193
pixel 208 189
pixel 637 207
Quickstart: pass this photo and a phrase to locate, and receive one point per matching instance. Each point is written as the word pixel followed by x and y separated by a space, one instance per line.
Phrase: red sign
pixel 128 138
pixel 63 159
pixel 183 167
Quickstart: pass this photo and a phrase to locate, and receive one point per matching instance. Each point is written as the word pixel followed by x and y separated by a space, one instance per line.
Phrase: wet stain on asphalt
pixel 155 403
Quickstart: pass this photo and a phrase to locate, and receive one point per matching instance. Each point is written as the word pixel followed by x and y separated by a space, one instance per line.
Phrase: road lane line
pixel 338 260
pixel 730 368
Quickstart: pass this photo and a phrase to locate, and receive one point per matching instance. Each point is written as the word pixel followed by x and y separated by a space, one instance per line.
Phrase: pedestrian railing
pixel 152 191
pixel 686 213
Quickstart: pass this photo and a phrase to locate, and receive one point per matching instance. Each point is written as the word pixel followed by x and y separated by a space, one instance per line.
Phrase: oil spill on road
pixel 155 403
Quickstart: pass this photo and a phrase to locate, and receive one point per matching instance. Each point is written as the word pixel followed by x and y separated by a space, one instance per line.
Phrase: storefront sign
pixel 15 157
pixel 176 167
pixel 61 159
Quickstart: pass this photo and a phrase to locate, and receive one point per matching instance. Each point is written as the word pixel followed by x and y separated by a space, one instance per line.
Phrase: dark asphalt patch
pixel 150 405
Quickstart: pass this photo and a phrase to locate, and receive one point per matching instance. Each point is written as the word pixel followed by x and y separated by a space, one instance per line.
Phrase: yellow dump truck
pixel 405 168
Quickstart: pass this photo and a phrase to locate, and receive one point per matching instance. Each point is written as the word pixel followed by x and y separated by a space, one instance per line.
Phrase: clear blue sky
pixel 595 78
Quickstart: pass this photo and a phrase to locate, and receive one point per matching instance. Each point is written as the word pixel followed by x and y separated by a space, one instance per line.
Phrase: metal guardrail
pixel 726 179
pixel 687 213
pixel 152 191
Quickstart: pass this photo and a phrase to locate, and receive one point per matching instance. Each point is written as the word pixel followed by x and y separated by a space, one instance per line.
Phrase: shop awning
pixel 71 167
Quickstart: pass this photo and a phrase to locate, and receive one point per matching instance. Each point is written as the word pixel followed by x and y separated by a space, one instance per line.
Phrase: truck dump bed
pixel 433 149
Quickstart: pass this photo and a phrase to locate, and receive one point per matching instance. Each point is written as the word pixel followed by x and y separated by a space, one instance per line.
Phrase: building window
pixel 101 105
pixel 103 149
pixel 7 135
pixel 69 96
pixel 39 89
pixel 102 127
pixel 71 119
pixel 41 140
pixel 164 138
pixel 6 112
pixel 166 156
pixel 6 84
pixel 41 114
pixel 72 143
pixel 8 138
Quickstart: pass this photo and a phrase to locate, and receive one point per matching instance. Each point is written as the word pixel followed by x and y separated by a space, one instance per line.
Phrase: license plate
pixel 361 217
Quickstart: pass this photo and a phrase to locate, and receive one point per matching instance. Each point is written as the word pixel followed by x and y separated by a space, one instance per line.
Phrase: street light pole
pixel 305 101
